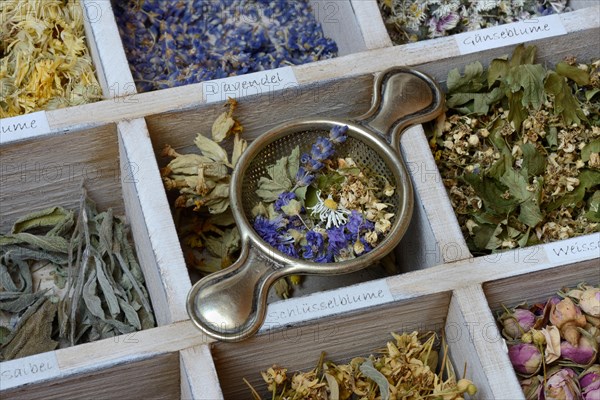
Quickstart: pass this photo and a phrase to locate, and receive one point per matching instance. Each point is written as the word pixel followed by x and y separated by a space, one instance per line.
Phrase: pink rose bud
pixel 590 378
pixel 562 385
pixel 532 387
pixel 517 322
pixel 584 353
pixel 590 302
pixel 525 358
pixel 567 317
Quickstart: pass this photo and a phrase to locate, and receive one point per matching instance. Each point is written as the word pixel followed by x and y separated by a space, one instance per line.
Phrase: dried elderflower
pixel 67 279
pixel 407 368
pixel 174 42
pixel 321 208
pixel 45 63
pixel 557 354
pixel 415 20
pixel 531 178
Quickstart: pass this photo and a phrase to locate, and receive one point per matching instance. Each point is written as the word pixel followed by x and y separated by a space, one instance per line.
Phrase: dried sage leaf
pixel 50 217
pixel 371 372
pixel 33 336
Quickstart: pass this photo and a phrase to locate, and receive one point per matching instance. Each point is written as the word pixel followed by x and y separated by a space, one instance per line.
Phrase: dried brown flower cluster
pixel 406 369
pixel 45 63
pixel 519 151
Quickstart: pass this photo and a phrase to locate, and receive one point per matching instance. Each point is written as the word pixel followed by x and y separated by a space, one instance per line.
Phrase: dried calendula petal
pixel 44 58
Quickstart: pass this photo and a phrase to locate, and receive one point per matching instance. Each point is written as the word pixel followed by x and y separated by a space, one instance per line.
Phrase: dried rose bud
pixel 517 322
pixel 562 385
pixel 589 380
pixel 590 302
pixel 525 358
pixel 466 386
pixel 567 317
pixel 584 353
pixel 532 387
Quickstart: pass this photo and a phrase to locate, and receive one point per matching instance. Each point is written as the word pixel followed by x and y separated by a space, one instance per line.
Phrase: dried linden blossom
pixel 518 151
pixel 406 369
pixel 45 63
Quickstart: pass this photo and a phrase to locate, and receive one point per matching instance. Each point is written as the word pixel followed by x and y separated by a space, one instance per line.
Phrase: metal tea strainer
pixel 230 305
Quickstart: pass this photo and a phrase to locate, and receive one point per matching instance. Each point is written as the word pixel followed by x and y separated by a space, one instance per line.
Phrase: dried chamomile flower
pixel 415 20
pixel 531 176
pixel 44 58
pixel 407 367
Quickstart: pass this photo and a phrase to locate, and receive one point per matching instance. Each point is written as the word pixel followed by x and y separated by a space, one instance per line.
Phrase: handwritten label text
pixel 508 34
pixel 264 82
pixel 573 250
pixel 28 369
pixel 23 126
pixel 327 303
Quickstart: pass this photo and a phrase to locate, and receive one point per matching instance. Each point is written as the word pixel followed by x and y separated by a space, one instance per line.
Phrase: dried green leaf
pixel 90 297
pixel 269 189
pixel 17 302
pixel 565 103
pixel 591 147
pixel 497 70
pixel 211 149
pixel 478 103
pixel 588 179
pixel 593 213
pixel 46 243
pixel 533 161
pixel 471 81
pixel 372 373
pixel 130 314
pixel 108 291
pixel 333 386
pixel 491 191
pixel 523 55
pixel 4 334
pixel 528 79
pixel 292 208
pixel 33 334
pixel 293 163
pixel 579 76
pixel 222 126
pixel 239 146
pixel 50 217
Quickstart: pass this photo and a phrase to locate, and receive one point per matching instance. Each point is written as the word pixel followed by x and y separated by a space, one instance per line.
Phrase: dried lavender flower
pixel 172 43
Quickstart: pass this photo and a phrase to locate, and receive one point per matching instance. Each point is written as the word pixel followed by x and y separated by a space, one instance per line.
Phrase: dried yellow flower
pixel 45 63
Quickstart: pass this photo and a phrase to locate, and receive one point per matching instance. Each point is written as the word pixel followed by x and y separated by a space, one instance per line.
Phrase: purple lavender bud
pixel 525 358
pixel 562 385
pixel 517 322
pixel 283 200
pixel 314 165
pixel 584 353
pixel 337 135
pixel 303 177
pixel 322 149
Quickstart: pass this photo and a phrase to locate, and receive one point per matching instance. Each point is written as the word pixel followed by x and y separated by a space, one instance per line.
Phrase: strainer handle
pixel 230 304
pixel 402 97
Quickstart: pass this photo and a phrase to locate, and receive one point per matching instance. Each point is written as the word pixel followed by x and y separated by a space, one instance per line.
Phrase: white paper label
pixel 327 303
pixel 23 126
pixel 256 83
pixel 28 369
pixel 508 34
pixel 573 250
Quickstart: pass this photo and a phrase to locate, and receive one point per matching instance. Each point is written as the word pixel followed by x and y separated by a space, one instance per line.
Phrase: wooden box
pixel 115 145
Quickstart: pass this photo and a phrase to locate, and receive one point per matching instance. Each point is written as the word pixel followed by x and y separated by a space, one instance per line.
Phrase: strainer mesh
pixel 360 151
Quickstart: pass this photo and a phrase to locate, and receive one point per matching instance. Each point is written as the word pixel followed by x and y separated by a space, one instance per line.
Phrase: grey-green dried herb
pixel 407 369
pixel 97 288
pixel 518 151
